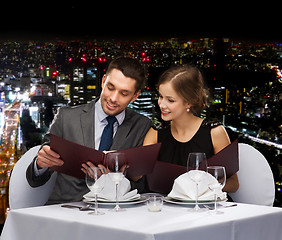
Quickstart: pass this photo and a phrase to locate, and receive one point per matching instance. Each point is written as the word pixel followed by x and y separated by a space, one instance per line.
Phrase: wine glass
pixel 95 181
pixel 116 165
pixel 218 172
pixel 197 169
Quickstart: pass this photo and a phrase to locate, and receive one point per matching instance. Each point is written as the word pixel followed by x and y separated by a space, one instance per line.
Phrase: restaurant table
pixel 243 222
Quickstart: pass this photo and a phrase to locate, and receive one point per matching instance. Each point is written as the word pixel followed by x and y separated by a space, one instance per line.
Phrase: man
pixel 85 124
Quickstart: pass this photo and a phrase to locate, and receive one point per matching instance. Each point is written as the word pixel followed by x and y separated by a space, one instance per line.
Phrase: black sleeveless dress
pixel 176 152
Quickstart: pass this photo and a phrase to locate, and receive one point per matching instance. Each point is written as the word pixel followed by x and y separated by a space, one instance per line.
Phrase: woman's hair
pixel 188 82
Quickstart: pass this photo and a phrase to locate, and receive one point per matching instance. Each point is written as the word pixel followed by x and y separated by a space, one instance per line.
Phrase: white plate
pixel 191 202
pixel 104 202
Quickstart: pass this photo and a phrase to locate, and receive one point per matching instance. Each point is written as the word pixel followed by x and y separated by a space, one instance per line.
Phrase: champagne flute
pixel 197 169
pixel 95 181
pixel 218 172
pixel 116 165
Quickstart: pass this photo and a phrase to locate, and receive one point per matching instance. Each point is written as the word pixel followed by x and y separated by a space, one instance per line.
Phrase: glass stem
pixel 96 204
pixel 197 206
pixel 215 205
pixel 117 206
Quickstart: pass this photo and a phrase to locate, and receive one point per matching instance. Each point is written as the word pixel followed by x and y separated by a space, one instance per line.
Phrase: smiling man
pixel 85 125
pixel 118 91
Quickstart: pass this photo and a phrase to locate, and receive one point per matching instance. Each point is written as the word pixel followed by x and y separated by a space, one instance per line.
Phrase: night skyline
pixel 244 81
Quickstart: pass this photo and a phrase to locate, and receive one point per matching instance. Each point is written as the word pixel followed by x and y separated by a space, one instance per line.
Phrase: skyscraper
pixel 85 79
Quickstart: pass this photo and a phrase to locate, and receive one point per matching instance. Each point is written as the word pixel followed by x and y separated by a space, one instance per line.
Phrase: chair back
pixel 255 178
pixel 21 194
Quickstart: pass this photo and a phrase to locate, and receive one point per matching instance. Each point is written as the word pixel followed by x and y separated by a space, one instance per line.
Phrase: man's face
pixel 117 92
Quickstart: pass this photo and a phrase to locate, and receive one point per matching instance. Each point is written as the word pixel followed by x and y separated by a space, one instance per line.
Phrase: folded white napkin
pixel 184 188
pixel 108 193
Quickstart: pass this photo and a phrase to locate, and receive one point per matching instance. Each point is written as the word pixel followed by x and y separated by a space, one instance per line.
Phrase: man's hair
pixel 130 68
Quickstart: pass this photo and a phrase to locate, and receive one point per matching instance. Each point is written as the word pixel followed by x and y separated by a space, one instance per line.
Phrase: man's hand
pixel 84 167
pixel 48 158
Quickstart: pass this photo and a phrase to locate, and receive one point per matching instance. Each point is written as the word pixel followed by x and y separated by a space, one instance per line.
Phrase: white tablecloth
pixel 244 222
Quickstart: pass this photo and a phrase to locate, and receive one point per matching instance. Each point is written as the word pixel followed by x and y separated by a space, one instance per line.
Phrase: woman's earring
pixel 188 109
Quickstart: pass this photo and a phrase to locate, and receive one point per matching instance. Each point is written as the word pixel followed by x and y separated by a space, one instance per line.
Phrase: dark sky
pixel 140 20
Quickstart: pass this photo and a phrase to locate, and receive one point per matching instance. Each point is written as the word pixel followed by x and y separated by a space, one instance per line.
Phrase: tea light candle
pixel 154 208
pixel 154 204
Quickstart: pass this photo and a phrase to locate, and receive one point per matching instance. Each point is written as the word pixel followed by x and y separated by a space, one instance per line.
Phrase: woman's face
pixel 171 104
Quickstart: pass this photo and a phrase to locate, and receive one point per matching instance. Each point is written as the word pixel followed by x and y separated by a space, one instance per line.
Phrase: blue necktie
pixel 107 135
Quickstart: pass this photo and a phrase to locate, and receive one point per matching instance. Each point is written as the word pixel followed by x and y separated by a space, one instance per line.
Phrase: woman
pixel 181 96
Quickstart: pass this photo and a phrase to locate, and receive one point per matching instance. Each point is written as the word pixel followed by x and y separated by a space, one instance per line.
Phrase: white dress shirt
pixel 101 122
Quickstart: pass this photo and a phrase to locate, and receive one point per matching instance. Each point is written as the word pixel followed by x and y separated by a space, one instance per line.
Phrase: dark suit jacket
pixel 77 124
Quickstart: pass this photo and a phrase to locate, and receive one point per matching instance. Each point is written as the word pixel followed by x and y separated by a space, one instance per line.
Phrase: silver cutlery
pixel 81 208
pixel 227 206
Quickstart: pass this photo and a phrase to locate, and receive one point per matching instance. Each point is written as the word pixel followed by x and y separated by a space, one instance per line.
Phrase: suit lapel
pixel 88 125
